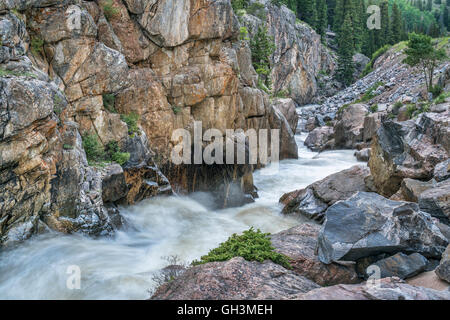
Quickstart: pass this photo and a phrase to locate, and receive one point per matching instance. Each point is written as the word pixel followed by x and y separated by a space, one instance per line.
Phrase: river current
pixel 121 267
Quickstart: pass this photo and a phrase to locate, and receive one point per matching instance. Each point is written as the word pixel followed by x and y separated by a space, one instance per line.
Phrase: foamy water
pixel 122 267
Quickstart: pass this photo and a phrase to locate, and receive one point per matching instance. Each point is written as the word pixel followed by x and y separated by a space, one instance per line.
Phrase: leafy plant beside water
pixel 96 153
pixel 251 245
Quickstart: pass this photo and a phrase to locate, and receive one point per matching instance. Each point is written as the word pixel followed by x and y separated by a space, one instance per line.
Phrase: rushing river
pixel 122 267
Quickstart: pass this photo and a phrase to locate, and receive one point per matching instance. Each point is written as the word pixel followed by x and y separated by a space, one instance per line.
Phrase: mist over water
pixel 121 267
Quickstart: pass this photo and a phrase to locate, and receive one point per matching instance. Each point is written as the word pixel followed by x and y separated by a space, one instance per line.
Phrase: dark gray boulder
pixel 401 265
pixel 443 270
pixel 436 201
pixel 313 201
pixel 442 171
pixel 368 224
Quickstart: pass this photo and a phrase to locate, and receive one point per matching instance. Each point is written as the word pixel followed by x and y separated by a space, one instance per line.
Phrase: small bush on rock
pixel 251 245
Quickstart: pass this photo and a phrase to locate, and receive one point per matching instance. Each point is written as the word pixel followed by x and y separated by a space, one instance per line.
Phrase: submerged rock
pixel 368 224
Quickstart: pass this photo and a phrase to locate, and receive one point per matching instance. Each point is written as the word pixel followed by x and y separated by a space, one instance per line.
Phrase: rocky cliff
pixel 71 69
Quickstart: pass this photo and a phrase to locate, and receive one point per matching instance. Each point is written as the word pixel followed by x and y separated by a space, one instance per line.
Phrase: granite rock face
pixel 408 150
pixel 299 245
pixel 234 280
pixel 299 56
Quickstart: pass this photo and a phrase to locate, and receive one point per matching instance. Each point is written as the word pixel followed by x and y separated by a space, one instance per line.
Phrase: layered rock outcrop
pixel 299 57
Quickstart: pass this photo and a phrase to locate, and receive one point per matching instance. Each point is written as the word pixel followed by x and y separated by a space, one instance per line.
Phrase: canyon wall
pixel 73 68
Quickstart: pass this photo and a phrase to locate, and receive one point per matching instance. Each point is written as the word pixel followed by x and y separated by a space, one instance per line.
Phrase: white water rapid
pixel 122 267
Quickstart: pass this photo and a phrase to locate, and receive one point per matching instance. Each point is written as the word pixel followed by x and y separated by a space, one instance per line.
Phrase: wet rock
pixel 114 186
pixel 408 150
pixel 299 244
pixel 288 145
pixel 317 139
pixel 235 279
pixel 314 200
pixel 349 129
pixel 388 289
pixel 443 270
pixel 363 155
pixel 401 265
pixel 374 225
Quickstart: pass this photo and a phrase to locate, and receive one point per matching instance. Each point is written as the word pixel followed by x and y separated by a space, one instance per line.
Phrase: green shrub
pixel 243 34
pixel 113 153
pixel 37 46
pixel 239 4
pixel 109 10
pixel 251 245
pixel 109 101
pixel 410 109
pixel 67 146
pixel 441 98
pixel 369 95
pixel 257 9
pixel 369 67
pixel 436 90
pixel 120 157
pixel 93 148
pixel 374 108
pixel 176 110
pixel 131 120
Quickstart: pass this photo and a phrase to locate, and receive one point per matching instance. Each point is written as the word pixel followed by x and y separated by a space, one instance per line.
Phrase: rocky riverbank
pixel 388 220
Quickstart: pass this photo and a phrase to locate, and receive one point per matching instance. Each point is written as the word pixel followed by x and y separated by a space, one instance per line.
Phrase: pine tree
pixel 396 25
pixel 308 12
pixel 322 19
pixel 429 5
pixel 262 47
pixel 445 18
pixel 385 29
pixel 345 52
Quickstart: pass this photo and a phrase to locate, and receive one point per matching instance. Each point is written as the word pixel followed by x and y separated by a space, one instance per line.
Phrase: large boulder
pixel 288 145
pixel 360 61
pixel 368 224
pixel 299 245
pixel 348 131
pixel 319 138
pixel 401 265
pixel 408 150
pixel 442 171
pixel 236 279
pixel 443 270
pixel 436 200
pixel 287 108
pixel 386 289
pixel 313 201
